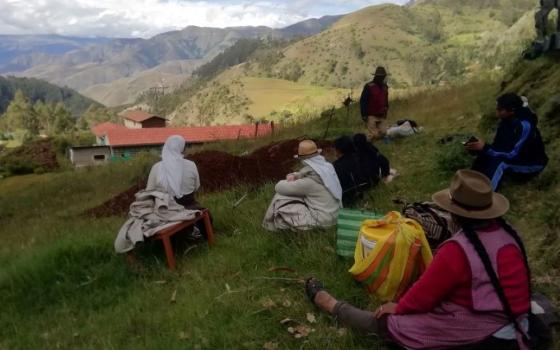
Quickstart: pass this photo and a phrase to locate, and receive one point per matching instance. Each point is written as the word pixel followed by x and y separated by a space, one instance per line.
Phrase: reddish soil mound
pixel 220 171
pixel 117 205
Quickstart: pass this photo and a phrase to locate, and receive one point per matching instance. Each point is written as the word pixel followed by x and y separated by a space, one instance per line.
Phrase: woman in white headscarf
pixel 176 175
pixel 307 199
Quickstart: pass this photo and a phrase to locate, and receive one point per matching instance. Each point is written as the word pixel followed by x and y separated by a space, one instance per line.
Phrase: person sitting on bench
pixel 517 148
pixel 177 176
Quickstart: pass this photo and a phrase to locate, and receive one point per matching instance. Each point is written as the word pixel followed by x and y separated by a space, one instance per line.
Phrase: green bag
pixel 348 228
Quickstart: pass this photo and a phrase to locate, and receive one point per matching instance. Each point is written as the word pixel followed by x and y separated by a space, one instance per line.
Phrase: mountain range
pixel 88 65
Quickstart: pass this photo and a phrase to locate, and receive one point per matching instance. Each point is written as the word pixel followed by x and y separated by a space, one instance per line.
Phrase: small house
pixel 141 120
pixel 81 156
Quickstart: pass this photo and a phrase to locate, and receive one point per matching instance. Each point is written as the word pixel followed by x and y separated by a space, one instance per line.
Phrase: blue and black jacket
pixel 518 141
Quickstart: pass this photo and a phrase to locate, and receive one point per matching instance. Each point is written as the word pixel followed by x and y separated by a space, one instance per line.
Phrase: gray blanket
pixel 150 213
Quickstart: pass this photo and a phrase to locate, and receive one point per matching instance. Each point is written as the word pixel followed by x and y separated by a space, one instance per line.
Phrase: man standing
pixel 374 104
pixel 517 148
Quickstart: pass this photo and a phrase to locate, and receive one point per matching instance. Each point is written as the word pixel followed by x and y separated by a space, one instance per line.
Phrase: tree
pixel 20 115
pixel 64 122
pixel 46 114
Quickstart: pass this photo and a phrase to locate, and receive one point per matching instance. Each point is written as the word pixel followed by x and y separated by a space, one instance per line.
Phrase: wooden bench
pixel 166 234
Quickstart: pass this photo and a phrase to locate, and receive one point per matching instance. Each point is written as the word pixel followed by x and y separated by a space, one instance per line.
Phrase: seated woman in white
pixel 176 175
pixel 307 199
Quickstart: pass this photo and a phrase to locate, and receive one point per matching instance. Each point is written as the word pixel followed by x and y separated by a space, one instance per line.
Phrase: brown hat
pixel 380 71
pixel 470 195
pixel 307 149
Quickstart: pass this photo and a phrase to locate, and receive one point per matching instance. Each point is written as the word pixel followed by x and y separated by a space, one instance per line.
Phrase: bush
pixel 453 157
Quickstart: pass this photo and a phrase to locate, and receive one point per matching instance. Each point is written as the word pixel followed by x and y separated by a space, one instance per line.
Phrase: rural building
pixel 81 156
pixel 139 120
pixel 100 130
pixel 117 142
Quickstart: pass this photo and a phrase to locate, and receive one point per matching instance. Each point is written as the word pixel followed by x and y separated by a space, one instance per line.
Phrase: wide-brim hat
pixel 380 71
pixel 307 149
pixel 471 196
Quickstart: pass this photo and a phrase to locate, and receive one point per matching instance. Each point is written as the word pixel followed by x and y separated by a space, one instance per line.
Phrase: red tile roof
pixel 101 129
pixel 138 116
pixel 157 136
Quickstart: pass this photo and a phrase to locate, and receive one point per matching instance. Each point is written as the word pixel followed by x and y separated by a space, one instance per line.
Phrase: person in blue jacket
pixel 517 148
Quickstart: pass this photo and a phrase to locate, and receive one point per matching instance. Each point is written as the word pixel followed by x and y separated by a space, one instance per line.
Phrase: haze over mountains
pixel 88 65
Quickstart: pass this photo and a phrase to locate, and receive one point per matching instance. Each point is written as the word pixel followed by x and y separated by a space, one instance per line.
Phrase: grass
pixel 268 95
pixel 63 287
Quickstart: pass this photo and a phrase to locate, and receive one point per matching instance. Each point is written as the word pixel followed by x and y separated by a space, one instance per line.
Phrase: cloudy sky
pixel 145 18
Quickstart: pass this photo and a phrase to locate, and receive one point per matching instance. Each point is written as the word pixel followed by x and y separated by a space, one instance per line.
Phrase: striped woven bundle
pixel 400 254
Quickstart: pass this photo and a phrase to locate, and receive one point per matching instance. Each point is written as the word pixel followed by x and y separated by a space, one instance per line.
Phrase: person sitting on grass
pixel 307 199
pixel 349 172
pixel 517 148
pixel 475 293
pixel 374 165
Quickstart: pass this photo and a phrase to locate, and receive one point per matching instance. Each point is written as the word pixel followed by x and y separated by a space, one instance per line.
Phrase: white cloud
pixel 145 18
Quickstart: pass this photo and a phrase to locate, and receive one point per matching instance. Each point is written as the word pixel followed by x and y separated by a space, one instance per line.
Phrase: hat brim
pixel 319 151
pixel 500 206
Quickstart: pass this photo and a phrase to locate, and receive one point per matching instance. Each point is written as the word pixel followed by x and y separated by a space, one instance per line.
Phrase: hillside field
pixel 62 285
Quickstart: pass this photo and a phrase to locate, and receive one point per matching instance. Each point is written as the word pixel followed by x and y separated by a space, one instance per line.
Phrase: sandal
pixel 312 287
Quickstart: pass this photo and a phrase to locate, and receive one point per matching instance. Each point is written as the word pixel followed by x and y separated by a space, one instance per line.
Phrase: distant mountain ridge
pixel 114 59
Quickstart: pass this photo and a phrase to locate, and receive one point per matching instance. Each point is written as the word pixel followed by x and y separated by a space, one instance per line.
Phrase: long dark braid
pixel 473 238
pixel 513 233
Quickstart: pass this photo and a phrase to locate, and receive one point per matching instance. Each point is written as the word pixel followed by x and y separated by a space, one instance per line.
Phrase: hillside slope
pixel 37 89
pixel 63 287
pixel 423 43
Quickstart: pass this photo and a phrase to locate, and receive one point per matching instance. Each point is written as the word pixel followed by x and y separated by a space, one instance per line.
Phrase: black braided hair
pixel 473 238
pixel 513 233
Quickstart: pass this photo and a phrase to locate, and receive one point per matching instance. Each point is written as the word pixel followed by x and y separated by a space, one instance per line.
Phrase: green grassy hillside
pixel 234 99
pixel 423 44
pixel 63 287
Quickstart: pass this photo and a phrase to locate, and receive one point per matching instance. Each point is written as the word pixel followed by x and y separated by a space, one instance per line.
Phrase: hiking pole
pixel 329 123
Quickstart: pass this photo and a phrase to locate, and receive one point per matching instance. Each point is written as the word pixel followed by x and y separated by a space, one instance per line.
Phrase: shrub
pixel 452 157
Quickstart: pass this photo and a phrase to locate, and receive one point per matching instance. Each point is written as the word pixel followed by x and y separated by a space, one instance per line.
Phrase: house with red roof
pixel 138 119
pixel 124 143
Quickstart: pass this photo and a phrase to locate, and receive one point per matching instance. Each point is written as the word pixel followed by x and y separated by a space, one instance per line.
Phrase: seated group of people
pixel 476 293
pixel 311 197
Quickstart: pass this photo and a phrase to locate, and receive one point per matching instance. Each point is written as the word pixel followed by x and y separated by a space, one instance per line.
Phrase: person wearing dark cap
pixel 517 148
pixel 374 104
pixel 349 172
pixel 476 292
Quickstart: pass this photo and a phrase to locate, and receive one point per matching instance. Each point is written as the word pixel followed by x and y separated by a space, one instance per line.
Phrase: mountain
pixel 424 43
pixel 36 90
pixel 91 67
pixel 14 46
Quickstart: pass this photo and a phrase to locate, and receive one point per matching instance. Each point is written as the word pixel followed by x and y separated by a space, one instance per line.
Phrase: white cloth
pixel 171 172
pixel 190 182
pixel 326 171
pixel 150 213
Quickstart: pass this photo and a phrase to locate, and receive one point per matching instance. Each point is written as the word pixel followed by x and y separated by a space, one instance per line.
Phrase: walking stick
pixel 329 123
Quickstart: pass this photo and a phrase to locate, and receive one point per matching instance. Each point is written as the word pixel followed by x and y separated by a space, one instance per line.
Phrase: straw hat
pixel 380 71
pixel 307 149
pixel 470 195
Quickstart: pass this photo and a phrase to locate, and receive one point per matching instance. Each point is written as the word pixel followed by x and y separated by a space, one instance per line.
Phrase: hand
pixel 386 309
pixel 290 178
pixel 475 146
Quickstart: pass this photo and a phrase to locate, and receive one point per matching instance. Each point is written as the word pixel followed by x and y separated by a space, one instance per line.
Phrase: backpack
pixel 391 254
pixel 437 223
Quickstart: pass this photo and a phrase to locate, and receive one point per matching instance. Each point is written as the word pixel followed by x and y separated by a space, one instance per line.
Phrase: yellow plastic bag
pixel 391 253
